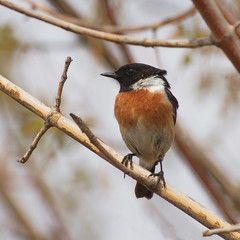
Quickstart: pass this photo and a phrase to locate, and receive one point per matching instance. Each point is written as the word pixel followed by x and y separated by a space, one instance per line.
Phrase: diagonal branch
pixel 146 42
pixel 224 34
pixel 178 199
pixel 220 188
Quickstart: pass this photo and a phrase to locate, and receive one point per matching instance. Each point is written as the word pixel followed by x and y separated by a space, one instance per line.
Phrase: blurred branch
pixel 113 29
pixel 47 124
pixel 96 46
pixel 152 26
pixel 65 7
pixel 232 228
pixel 110 13
pixel 28 230
pixel 59 229
pixel 228 14
pixel 207 41
pixel 224 34
pixel 213 179
pixel 178 199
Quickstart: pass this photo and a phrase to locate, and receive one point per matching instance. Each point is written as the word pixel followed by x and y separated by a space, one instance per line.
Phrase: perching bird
pixel 146 111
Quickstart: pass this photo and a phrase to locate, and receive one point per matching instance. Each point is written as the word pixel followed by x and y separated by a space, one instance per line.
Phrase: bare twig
pixel 178 199
pixel 114 29
pixel 29 152
pixel 61 84
pixel 231 228
pixel 47 124
pixel 152 26
pixel 93 139
pixel 200 42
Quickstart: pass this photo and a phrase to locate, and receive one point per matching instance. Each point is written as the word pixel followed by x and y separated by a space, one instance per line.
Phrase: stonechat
pixel 146 111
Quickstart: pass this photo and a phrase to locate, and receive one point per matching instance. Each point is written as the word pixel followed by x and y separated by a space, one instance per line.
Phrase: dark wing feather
pixel 174 103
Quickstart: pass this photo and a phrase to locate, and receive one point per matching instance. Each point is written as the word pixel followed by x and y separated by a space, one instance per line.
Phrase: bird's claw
pixel 128 160
pixel 160 176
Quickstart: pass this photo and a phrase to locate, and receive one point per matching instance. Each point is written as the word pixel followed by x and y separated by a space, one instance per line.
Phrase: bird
pixel 146 112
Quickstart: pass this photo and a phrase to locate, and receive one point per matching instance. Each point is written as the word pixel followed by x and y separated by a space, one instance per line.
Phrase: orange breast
pixel 145 107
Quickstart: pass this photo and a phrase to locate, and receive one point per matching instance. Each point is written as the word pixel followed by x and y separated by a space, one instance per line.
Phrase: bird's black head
pixel 129 74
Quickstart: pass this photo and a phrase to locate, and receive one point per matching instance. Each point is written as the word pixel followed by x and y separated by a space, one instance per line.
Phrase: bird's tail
pixel 141 191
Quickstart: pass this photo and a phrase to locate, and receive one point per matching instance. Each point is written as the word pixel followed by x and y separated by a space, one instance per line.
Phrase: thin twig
pixel 48 122
pixel 114 29
pixel 146 42
pixel 34 144
pixel 232 228
pixel 61 84
pixel 93 139
pixel 152 26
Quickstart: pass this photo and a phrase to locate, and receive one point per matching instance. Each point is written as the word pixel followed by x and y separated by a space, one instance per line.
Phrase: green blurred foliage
pixel 9 44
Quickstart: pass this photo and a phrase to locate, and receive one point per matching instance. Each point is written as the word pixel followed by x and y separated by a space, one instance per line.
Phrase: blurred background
pixel 65 191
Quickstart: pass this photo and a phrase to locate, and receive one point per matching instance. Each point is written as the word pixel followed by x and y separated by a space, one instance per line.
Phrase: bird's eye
pixel 130 72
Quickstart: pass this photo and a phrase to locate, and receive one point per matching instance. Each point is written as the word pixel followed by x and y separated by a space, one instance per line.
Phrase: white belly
pixel 149 143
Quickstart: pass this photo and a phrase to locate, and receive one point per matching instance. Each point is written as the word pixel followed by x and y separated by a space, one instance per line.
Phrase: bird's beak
pixel 110 74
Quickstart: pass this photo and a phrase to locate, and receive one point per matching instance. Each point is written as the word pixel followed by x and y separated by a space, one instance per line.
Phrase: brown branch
pixel 207 41
pixel 178 199
pixel 114 29
pixel 227 13
pixel 212 178
pixel 223 33
pixel 153 26
pixel 111 17
pixel 29 230
pixel 47 124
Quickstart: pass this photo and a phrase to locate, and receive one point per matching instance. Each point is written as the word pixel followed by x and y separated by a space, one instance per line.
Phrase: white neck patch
pixel 152 83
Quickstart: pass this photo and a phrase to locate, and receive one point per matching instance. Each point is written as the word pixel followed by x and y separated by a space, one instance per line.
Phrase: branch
pixel 152 26
pixel 35 142
pixel 146 42
pixel 231 228
pixel 178 199
pixel 61 84
pixel 47 124
pixel 211 175
pixel 224 34
pixel 114 29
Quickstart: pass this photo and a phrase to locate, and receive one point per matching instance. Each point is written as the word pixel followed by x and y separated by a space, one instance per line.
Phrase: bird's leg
pixel 128 159
pixel 160 176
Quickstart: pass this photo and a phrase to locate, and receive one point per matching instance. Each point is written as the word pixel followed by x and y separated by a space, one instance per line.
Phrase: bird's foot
pixel 160 176
pixel 128 160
